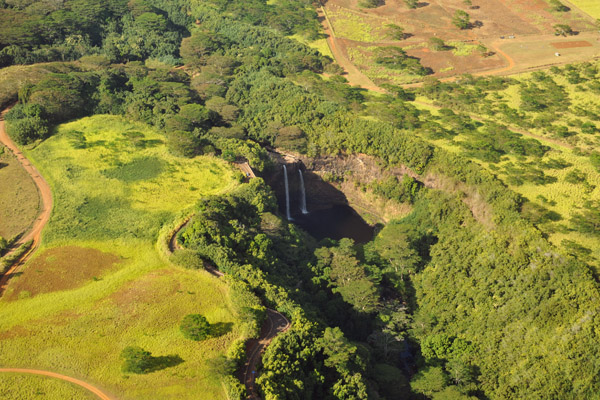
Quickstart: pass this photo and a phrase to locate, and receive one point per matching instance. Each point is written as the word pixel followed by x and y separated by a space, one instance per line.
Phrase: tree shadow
pixel 162 362
pixel 2 165
pixel 220 328
pixel 422 4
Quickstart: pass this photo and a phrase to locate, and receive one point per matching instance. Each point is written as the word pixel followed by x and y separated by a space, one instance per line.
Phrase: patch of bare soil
pixel 570 45
pixel 61 268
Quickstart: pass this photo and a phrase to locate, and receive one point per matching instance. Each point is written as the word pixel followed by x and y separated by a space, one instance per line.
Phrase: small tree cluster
pixel 563 30
pixel 369 3
pixel 195 327
pixel 27 123
pixel 558 6
pixel 437 44
pixel 461 19
pixel 3 245
pixel 411 3
pixel 137 360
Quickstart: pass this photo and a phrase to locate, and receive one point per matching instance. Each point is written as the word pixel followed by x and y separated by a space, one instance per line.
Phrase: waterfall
pixel 302 194
pixel 287 194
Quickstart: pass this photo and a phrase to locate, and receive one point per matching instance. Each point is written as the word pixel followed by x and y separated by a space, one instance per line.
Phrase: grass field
pixel 24 386
pixel 19 199
pixel 360 28
pixel 114 185
pixel 592 7
pixel 319 44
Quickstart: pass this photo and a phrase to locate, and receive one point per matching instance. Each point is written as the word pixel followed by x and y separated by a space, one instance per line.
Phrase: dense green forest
pixel 441 304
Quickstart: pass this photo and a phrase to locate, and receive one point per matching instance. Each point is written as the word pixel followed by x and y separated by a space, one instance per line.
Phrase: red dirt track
pixel 570 45
pixel 45 193
pixel 87 386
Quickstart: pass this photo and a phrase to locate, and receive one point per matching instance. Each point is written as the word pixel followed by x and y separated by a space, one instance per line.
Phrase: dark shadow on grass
pixel 220 328
pixel 163 362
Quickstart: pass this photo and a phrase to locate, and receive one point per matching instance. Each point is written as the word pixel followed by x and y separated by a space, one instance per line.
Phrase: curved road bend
pixel 276 323
pixel 35 233
pixel 87 386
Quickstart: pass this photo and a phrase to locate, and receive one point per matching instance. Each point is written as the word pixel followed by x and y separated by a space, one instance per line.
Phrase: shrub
pixel 437 44
pixel 237 352
pixel 3 245
pixel 411 3
pixel 369 3
pixel 195 327
pixel 235 390
pixel 563 30
pixel 27 123
pixel 461 19
pixel 187 259
pixel 137 360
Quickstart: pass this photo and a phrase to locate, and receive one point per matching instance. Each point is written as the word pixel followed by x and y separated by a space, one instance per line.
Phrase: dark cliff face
pixel 320 194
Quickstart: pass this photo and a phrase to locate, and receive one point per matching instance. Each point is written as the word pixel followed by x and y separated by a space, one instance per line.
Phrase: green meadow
pixel 24 386
pixel 114 186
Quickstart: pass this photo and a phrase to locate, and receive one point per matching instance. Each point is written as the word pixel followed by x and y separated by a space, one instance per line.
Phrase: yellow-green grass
pixel 19 199
pixel 586 99
pixel 462 49
pixel 591 7
pixel 360 28
pixel 107 199
pixel 24 386
pixel 569 197
pixel 362 58
pixel 319 44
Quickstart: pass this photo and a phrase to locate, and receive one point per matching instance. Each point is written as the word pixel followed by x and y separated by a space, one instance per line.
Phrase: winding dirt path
pixel 276 323
pixel 353 74
pixel 509 60
pixel 85 385
pixel 35 233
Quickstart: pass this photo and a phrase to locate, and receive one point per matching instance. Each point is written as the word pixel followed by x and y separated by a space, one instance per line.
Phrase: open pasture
pixel 17 386
pixel 98 283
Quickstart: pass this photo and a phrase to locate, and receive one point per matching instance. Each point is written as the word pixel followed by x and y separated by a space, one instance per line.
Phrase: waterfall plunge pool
pixel 337 222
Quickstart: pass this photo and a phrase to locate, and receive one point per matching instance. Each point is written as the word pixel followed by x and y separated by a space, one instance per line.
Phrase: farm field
pixel 98 284
pixel 505 36
pixel 19 200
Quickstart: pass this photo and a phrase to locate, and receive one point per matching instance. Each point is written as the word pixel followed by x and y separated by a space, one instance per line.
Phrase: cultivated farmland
pixel 504 36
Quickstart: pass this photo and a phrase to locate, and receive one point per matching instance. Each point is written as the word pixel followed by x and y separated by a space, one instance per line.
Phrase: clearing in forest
pixel 501 36
pixel 98 284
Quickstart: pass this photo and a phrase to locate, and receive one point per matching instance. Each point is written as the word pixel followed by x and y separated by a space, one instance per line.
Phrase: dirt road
pixel 353 74
pixel 45 193
pixel 275 324
pixel 87 386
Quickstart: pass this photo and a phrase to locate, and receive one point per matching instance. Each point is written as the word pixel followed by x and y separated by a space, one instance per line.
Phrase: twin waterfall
pixel 287 194
pixel 302 194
